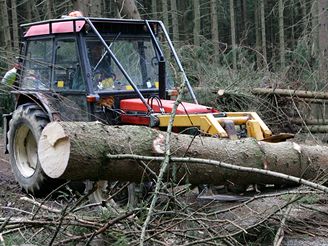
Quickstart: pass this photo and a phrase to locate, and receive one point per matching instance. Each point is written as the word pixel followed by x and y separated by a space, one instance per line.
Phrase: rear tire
pixel 25 129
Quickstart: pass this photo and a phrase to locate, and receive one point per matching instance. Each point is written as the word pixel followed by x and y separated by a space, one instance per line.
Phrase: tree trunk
pixel 154 9
pixel 291 93
pixel 281 34
pixel 263 30
pixel 244 15
pixel 165 14
pixel 78 151
pixel 196 22
pixel 5 27
pixel 28 11
pixel 315 28
pixel 50 9
pixel 128 9
pixel 323 45
pixel 96 8
pixel 259 58
pixel 14 25
pixel 233 34
pixel 214 24
pixel 175 22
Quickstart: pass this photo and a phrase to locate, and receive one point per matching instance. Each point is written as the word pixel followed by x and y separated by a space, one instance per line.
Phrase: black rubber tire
pixel 25 129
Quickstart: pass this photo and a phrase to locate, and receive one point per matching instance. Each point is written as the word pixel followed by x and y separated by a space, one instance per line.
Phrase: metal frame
pixel 162 72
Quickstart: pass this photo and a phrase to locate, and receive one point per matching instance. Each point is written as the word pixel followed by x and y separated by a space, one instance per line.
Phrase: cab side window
pixel 37 66
pixel 67 71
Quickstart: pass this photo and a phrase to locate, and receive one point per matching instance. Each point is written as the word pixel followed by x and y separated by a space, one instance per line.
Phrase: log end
pixel 54 150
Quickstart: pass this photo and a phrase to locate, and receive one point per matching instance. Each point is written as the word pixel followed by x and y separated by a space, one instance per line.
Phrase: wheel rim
pixel 25 149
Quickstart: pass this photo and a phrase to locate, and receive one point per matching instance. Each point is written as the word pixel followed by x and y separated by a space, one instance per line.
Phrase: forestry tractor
pixel 109 70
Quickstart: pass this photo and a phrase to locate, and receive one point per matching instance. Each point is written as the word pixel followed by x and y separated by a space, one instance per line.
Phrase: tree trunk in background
pixel 78 151
pixel 292 20
pixel 305 16
pixel 28 11
pixel 315 28
pixel 196 30
pixel 233 34
pixel 259 59
pixel 14 25
pixel 96 8
pixel 175 22
pixel 128 9
pixel 165 14
pixel 244 15
pixel 6 28
pixel 50 9
pixel 154 9
pixel 281 34
pixel 214 24
pixel 263 30
pixel 323 44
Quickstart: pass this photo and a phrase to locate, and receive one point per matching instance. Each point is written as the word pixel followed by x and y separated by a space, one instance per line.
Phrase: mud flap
pixel 6 119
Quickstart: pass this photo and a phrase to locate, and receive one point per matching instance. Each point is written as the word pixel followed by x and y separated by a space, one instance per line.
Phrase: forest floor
pixel 306 222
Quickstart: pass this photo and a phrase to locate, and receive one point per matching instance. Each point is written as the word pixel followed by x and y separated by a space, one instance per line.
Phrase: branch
pixel 165 162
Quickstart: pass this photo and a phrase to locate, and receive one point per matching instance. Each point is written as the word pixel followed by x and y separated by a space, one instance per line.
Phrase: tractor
pixel 110 70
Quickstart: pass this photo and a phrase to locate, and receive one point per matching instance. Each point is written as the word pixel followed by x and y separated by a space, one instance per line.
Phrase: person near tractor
pixel 10 77
pixel 100 63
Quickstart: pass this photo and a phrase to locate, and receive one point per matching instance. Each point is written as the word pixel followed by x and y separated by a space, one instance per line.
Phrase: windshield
pixel 136 55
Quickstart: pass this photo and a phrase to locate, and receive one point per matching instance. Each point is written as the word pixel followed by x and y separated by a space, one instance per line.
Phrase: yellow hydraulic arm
pixel 219 125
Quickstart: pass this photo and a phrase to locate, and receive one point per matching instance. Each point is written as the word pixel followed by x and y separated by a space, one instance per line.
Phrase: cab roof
pixel 76 24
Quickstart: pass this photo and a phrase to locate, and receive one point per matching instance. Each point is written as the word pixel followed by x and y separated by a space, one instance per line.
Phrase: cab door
pixel 68 80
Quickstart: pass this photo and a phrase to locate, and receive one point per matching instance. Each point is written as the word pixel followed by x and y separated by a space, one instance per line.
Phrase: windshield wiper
pixel 105 53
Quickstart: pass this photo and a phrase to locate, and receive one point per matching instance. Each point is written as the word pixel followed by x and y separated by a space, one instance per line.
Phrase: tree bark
pixel 50 9
pixel 96 8
pixel 196 30
pixel 257 35
pixel 315 28
pixel 128 9
pixel 233 34
pixel 154 9
pixel 78 151
pixel 214 24
pixel 263 30
pixel 175 22
pixel 290 93
pixel 323 45
pixel 165 13
pixel 281 34
pixel 5 27
pixel 14 25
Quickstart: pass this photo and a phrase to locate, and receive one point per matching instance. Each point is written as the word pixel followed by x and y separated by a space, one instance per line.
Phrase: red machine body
pixel 136 111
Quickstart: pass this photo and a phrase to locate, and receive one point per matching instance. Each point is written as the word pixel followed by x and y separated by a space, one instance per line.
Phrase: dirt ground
pixel 307 223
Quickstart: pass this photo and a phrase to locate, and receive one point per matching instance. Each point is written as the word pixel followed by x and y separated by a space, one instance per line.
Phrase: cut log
pixel 291 93
pixel 78 151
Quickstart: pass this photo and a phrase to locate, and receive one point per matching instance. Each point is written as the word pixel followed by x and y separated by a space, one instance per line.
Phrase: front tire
pixel 25 129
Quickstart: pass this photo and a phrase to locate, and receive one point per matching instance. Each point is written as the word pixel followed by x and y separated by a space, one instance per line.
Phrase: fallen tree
pixel 291 93
pixel 79 150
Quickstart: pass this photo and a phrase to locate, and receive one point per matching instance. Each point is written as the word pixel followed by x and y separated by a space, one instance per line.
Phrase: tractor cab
pixel 87 67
